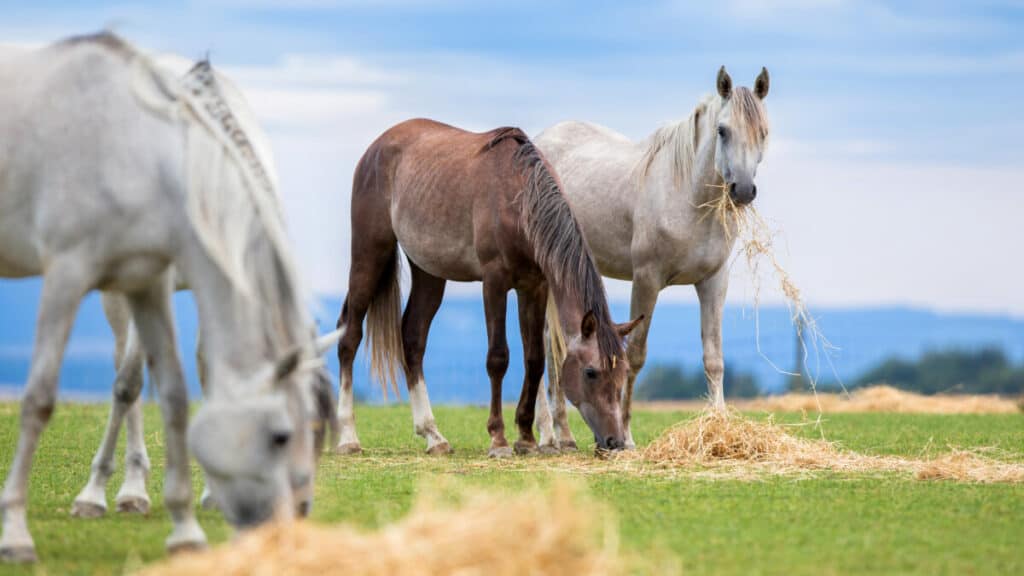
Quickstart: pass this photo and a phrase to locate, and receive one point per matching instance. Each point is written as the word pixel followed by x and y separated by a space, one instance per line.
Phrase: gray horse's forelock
pixel 559 245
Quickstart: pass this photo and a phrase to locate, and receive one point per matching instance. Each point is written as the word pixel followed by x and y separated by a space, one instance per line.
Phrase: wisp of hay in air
pixel 554 532
pixel 738 446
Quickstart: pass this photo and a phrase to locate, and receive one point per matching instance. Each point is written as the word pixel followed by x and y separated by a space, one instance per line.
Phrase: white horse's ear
pixel 724 84
pixel 287 364
pixel 761 84
pixel 328 341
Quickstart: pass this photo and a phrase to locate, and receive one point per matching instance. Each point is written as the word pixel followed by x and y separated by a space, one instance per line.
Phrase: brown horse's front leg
pixel 495 302
pixel 532 304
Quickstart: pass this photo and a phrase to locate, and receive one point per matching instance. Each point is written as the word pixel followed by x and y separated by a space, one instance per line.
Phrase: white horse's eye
pixel 722 132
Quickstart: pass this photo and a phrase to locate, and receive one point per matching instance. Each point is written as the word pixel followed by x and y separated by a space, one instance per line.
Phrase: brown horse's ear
pixel 626 327
pixel 761 84
pixel 589 325
pixel 724 84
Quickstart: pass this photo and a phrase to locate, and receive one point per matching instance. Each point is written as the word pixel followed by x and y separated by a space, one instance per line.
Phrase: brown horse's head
pixel 594 384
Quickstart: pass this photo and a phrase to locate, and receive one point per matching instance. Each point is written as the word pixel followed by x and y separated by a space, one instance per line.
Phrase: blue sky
pixel 894 169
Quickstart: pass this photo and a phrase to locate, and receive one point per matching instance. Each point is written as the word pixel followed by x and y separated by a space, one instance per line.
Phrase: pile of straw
pixel 555 532
pixel 885 399
pixel 733 445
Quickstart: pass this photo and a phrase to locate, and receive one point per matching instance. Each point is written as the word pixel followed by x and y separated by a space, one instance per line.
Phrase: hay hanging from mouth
pixel 884 399
pixel 728 442
pixel 554 532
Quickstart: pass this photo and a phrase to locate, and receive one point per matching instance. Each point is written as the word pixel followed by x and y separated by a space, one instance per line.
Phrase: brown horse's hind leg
pixel 531 328
pixel 495 302
pixel 424 300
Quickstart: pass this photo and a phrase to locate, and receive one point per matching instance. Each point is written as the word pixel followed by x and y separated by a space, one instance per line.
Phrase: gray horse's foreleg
pixel 132 497
pixel 64 285
pixel 545 424
pixel 563 438
pixel 642 301
pixel 711 292
pixel 151 311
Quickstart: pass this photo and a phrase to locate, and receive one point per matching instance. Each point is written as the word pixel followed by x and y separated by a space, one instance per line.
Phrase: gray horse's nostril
pixel 732 190
pixel 753 191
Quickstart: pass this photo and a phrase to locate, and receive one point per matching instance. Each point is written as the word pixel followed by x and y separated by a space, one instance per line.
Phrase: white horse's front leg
pixel 63 288
pixel 643 299
pixel 711 292
pixel 132 497
pixel 152 314
pixel 545 424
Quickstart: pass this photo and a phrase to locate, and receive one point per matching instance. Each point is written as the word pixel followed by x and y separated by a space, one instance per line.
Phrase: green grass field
pixel 822 525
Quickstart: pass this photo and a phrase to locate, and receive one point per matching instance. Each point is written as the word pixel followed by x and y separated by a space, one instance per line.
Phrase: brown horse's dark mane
pixel 558 243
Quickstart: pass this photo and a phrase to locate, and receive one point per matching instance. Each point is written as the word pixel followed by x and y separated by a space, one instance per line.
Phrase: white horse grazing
pixel 643 209
pixel 91 502
pixel 111 172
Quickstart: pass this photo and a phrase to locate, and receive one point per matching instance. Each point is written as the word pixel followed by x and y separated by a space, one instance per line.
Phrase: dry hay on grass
pixel 736 446
pixel 885 399
pixel 554 532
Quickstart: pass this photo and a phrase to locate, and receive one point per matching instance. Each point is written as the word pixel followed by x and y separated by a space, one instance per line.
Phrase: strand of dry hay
pixel 744 447
pixel 885 399
pixel 554 532
pixel 746 221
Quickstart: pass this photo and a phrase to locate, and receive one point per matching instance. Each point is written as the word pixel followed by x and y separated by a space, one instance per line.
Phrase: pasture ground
pixel 823 523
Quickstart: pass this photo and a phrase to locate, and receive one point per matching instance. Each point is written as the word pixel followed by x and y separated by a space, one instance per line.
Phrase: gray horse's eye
pixel 722 132
pixel 279 439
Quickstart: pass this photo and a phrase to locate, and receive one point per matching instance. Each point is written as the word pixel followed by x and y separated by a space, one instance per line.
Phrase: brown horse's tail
pixel 384 327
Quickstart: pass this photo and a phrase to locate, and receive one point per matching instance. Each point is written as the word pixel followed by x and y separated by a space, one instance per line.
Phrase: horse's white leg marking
pixel 545 425
pixel 564 440
pixel 152 313
pixel 423 419
pixel 711 292
pixel 63 287
pixel 642 301
pixel 348 440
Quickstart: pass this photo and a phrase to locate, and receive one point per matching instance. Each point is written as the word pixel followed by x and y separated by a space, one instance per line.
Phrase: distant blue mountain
pixel 457 348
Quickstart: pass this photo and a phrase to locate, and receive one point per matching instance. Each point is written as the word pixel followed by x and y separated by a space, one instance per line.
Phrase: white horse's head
pixel 742 131
pixel 258 450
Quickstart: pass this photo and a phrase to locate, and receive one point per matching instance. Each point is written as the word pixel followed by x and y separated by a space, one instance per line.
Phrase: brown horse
pixel 465 207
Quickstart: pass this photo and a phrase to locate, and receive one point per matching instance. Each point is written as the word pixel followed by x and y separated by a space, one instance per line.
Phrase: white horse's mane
pixel 231 199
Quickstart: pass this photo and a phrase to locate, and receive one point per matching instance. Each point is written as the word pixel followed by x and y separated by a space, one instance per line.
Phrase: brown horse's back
pixel 444 191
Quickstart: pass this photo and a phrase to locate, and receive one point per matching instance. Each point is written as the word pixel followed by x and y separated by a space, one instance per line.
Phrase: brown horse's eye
pixel 590 372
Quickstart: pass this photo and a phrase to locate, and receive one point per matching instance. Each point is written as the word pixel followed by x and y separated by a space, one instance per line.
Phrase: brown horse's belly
pixel 443 247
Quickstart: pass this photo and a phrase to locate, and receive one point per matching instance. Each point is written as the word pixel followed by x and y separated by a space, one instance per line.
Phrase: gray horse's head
pixel 258 446
pixel 742 132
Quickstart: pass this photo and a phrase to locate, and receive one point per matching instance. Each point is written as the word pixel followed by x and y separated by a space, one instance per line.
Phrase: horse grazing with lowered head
pixel 644 209
pixel 467 207
pixel 112 172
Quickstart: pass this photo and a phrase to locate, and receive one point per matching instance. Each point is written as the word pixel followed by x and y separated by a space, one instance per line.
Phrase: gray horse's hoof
pixel 349 449
pixel 567 446
pixel 185 547
pixel 525 448
pixel 500 452
pixel 133 505
pixel 441 449
pixel 548 449
pixel 22 554
pixel 85 509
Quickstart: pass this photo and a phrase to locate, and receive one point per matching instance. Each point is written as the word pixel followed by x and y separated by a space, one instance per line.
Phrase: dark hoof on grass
pixel 83 509
pixel 442 449
pixel 567 446
pixel 525 448
pixel 133 505
pixel 349 449
pixel 18 554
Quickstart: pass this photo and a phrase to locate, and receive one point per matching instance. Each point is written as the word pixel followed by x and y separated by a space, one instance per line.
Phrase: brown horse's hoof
pixel 350 449
pixel 567 446
pixel 22 554
pixel 525 448
pixel 441 449
pixel 500 452
pixel 133 505
pixel 85 509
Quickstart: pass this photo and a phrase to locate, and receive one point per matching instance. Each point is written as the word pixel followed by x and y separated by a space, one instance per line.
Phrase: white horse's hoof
pixel 548 448
pixel 186 539
pixel 441 449
pixel 18 554
pixel 88 509
pixel 500 452
pixel 133 504
pixel 185 546
pixel 349 449
pixel 567 446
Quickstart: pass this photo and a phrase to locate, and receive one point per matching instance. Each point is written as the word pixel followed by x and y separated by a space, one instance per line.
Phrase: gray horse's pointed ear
pixel 287 364
pixel 761 84
pixel 724 84
pixel 625 328
pixel 328 341
pixel 588 326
